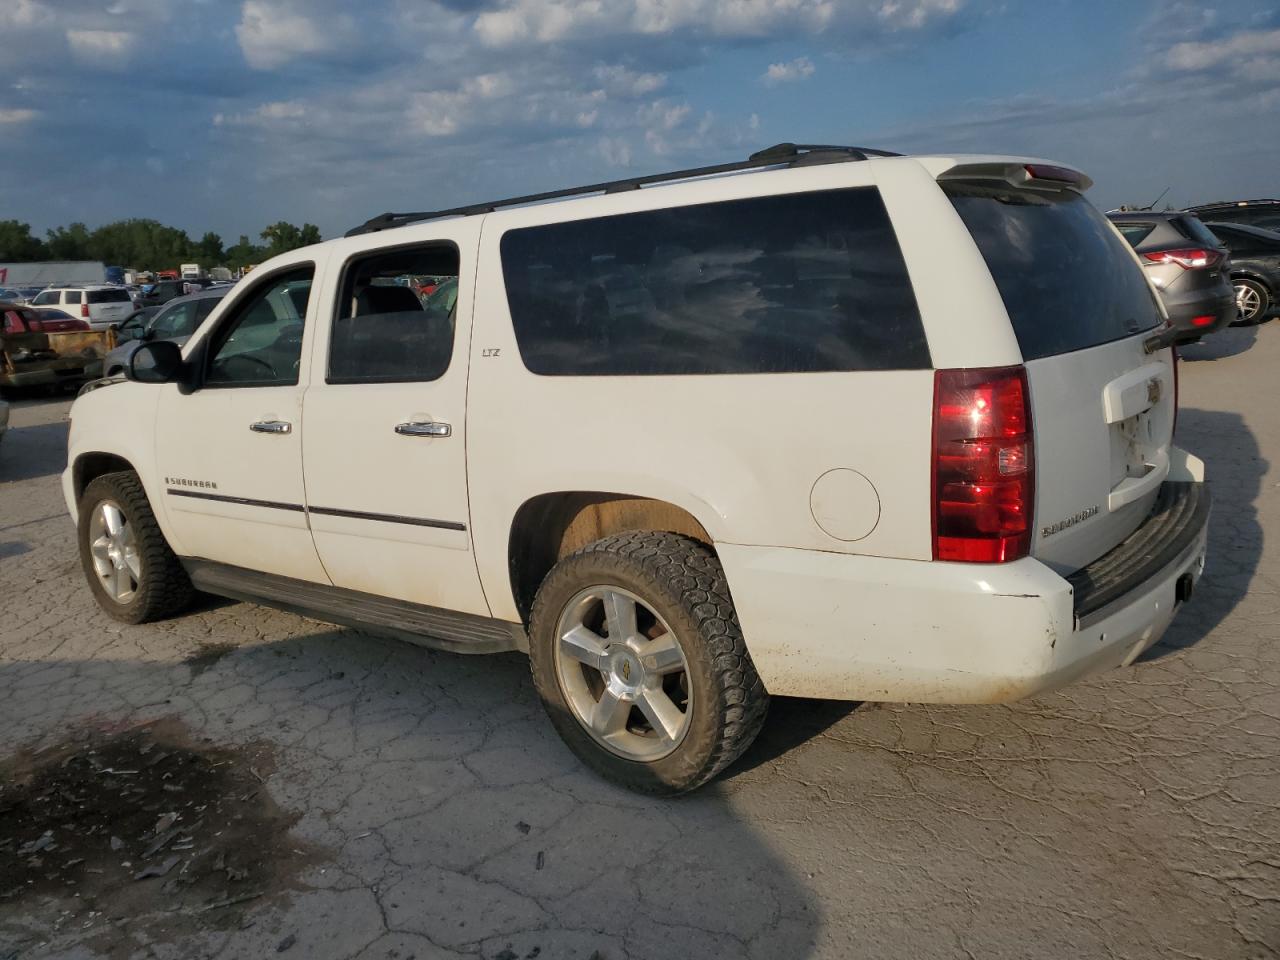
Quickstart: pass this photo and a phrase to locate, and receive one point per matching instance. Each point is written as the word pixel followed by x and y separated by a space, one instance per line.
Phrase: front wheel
pixel 1252 299
pixel 132 573
pixel 637 654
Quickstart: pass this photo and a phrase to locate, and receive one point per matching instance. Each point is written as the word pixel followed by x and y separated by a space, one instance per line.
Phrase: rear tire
pixel 132 572
pixel 1253 300
pixel 637 633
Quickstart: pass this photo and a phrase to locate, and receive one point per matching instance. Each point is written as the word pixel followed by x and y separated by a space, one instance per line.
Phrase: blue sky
pixel 223 115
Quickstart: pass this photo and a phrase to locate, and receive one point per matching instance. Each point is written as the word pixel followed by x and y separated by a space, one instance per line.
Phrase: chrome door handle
pixel 424 428
pixel 271 426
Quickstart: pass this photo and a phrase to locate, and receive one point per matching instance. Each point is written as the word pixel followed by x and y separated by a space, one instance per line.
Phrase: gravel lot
pixel 387 802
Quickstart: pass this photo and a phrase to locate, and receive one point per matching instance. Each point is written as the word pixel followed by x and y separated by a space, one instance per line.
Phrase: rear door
pixel 385 443
pixel 1102 406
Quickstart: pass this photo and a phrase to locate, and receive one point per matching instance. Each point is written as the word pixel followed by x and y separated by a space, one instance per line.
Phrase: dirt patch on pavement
pixel 144 831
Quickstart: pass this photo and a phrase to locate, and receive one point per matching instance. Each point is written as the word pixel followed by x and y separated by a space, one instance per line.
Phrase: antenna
pixel 1152 204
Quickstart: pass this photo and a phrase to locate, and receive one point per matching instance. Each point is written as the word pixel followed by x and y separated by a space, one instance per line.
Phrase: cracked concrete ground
pixel 1133 815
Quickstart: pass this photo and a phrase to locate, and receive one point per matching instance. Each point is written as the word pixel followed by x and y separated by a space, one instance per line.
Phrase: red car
pixel 23 319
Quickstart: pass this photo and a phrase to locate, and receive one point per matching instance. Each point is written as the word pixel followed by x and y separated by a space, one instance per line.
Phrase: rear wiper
pixel 1167 337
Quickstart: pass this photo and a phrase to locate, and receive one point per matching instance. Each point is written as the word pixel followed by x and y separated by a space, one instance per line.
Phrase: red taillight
pixel 84 310
pixel 1205 321
pixel 983 465
pixel 1190 258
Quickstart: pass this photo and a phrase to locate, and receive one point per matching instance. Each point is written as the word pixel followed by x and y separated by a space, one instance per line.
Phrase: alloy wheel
pixel 1248 301
pixel 623 673
pixel 115 552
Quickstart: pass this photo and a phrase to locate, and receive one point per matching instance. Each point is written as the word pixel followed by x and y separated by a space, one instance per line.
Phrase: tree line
pixel 147 244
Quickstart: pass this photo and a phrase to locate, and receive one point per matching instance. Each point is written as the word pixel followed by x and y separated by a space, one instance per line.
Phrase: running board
pixel 427 626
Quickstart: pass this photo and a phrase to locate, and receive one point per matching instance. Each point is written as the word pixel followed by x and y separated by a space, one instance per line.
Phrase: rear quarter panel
pixel 740 453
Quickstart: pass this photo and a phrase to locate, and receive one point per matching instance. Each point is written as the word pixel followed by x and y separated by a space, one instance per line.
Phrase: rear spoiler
pixel 1026 175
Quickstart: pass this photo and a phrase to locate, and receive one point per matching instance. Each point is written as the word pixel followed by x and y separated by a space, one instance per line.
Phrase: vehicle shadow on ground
pixel 792 721
pixel 1235 469
pixel 31 452
pixel 437 779
pixel 1218 346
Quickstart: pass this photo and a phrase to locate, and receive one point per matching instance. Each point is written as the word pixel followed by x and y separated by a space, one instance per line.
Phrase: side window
pixel 71 296
pixel 204 307
pixel 261 342
pixel 44 298
pixel 1135 233
pixel 798 283
pixel 174 321
pixel 395 316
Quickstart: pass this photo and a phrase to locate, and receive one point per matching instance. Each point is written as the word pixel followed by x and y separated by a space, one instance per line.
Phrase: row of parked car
pixel 61 334
pixel 1213 265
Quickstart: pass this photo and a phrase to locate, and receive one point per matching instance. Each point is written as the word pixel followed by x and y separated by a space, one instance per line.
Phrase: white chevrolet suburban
pixel 828 422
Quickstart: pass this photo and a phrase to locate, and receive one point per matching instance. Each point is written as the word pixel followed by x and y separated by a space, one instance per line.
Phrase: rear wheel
pixel 1253 300
pixel 132 573
pixel 637 654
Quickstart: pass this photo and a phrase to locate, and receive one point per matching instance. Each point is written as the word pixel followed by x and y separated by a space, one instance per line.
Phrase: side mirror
pixel 159 361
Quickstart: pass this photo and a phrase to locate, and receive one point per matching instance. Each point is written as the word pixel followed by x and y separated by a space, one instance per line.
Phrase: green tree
pixel 69 243
pixel 18 245
pixel 283 236
pixel 144 244
pixel 242 253
pixel 209 250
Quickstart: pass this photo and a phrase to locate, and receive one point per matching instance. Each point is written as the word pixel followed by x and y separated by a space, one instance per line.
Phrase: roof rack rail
pixel 781 154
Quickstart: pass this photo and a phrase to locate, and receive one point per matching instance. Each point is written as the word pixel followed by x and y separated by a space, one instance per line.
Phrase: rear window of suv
pixel 1068 281
pixel 109 296
pixel 798 283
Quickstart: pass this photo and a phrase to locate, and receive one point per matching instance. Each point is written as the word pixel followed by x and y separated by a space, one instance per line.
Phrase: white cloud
pixel 20 14
pixel 799 69
pixel 1205 55
pixel 904 15
pixel 273 32
pixel 619 80
pixel 16 115
pixel 615 151
pixel 102 48
pixel 519 21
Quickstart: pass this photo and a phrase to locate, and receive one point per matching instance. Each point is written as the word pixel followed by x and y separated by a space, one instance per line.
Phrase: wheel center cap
pixel 626 668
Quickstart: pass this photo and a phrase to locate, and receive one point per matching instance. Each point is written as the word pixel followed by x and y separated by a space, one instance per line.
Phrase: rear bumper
pixel 844 627
pixel 1219 304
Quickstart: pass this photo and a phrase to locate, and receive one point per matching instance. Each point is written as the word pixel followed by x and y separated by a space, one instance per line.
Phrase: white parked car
pixel 100 305
pixel 825 423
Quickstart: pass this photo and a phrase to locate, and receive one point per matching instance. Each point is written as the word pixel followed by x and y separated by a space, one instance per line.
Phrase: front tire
pixel 132 573
pixel 1253 299
pixel 638 657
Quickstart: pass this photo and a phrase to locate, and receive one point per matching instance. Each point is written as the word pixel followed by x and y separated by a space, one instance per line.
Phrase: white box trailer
pixel 49 272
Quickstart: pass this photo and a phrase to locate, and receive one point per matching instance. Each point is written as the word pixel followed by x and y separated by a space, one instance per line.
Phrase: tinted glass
pixel 1195 230
pixel 177 320
pixel 109 296
pixel 71 296
pixel 48 296
pixel 799 283
pixel 387 329
pixel 204 307
pixel 1240 236
pixel 1135 233
pixel 1067 280
pixel 261 345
